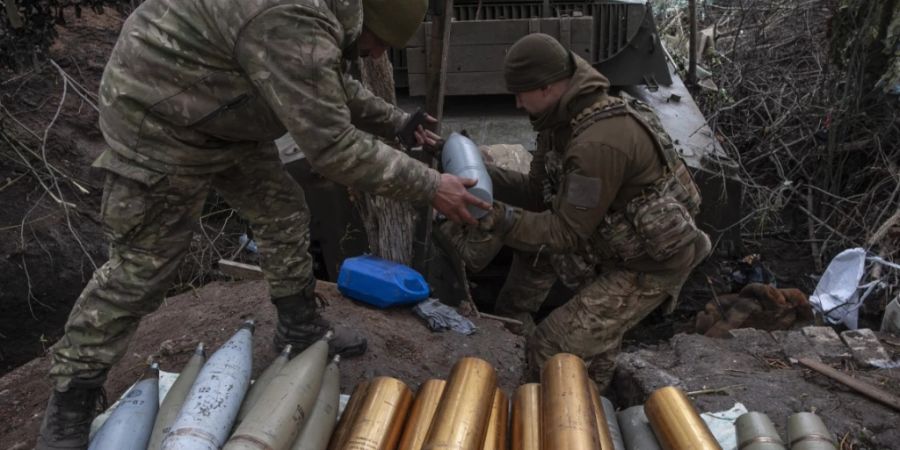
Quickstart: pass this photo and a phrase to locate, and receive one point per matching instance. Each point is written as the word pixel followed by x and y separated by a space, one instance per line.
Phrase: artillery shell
pixel 378 423
pixel 495 436
pixel 276 418
pixel 130 424
pixel 636 431
pixel 345 422
pixel 756 432
pixel 258 386
pixel 317 429
pixel 174 400
pixel 421 415
pixel 567 411
pixel 525 423
pixel 676 423
pixel 208 414
pixel 465 407
pixel 806 431
pixel 615 433
pixel 604 434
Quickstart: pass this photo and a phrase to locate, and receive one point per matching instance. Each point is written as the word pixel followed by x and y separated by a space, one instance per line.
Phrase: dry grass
pixel 817 144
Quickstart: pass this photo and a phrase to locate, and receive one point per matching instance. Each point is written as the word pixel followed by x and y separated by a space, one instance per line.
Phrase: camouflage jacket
pixel 193 86
pixel 576 182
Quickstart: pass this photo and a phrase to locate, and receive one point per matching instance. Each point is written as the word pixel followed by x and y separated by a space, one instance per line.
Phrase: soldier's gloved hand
pixel 413 133
pixel 426 137
pixel 500 219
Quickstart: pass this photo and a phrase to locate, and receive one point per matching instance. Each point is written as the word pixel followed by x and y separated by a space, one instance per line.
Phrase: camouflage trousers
pixel 150 219
pixel 593 322
pixel 530 278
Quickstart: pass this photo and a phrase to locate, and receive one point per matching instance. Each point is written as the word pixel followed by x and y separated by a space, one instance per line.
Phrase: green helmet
pixel 394 21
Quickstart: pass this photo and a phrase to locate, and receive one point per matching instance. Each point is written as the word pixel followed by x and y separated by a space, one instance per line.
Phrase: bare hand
pixel 427 137
pixel 452 199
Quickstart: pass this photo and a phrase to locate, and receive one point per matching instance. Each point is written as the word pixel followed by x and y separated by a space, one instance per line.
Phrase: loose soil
pixel 400 346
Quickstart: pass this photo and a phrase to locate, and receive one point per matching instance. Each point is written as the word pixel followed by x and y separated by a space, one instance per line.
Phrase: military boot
pixel 301 325
pixel 67 419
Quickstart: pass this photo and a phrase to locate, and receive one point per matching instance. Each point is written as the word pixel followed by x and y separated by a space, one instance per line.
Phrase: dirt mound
pixel 399 346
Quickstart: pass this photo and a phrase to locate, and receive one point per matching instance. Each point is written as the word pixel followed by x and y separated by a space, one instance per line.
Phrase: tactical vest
pixel 576 268
pixel 660 220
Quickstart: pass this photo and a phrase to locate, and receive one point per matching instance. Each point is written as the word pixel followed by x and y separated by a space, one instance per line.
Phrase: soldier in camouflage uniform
pixel 607 207
pixel 193 95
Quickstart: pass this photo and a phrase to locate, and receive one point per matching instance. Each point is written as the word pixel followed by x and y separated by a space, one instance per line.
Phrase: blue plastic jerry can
pixel 380 282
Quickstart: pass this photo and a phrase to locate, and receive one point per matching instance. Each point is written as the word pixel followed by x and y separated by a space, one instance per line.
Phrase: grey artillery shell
pixel 806 431
pixel 636 431
pixel 462 158
pixel 130 424
pixel 276 419
pixel 171 405
pixel 756 432
pixel 323 418
pixel 212 405
pixel 614 432
pixel 258 386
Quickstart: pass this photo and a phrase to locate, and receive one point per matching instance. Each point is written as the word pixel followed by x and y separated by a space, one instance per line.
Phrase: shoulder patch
pixel 583 192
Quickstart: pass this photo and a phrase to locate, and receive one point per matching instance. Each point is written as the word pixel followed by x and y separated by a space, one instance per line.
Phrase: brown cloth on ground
pixel 760 306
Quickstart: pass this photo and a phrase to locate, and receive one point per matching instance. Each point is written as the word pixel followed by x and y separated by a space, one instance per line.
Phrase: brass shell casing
pixel 342 430
pixel 676 423
pixel 378 423
pixel 525 422
pixel 495 436
pixel 420 416
pixel 603 433
pixel 567 412
pixel 463 412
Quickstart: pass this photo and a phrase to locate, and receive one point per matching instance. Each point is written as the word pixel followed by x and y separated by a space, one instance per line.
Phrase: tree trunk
pixel 389 224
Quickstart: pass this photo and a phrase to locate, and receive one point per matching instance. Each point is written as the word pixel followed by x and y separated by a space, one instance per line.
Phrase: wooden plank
pixel 474 32
pixel 466 83
pixel 501 319
pixel 439 48
pixel 481 58
pixel 472 58
pixel 860 386
pixel 240 270
pixel 479 47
